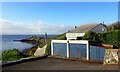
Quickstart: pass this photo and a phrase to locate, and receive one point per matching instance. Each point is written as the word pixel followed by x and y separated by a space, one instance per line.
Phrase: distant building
pixel 80 31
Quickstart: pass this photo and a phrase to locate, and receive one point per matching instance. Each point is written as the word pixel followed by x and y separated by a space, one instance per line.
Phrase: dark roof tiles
pixel 84 28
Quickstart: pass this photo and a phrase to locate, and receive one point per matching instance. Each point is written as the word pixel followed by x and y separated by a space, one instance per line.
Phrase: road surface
pixel 59 64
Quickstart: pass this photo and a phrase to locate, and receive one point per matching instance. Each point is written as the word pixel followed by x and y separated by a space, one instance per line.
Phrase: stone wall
pixel 112 56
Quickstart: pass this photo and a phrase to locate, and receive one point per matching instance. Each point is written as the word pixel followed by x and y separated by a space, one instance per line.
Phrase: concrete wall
pixel 112 56
pixel 99 28
pixel 68 42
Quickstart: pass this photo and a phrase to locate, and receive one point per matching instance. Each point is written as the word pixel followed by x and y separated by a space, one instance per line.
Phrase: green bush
pixel 91 36
pixel 111 37
pixel 10 55
pixel 48 49
pixel 42 45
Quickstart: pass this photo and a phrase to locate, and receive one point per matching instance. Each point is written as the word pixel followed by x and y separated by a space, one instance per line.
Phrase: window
pixel 103 29
pixel 79 38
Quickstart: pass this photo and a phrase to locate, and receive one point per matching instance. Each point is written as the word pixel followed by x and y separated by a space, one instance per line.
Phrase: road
pixel 59 64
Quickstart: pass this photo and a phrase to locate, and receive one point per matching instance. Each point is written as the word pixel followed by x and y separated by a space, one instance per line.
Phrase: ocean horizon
pixel 7 41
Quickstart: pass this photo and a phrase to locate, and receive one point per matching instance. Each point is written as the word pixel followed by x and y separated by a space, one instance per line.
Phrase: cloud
pixel 9 27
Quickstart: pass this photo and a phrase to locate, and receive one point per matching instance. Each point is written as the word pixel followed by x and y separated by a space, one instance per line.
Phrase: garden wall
pixel 112 56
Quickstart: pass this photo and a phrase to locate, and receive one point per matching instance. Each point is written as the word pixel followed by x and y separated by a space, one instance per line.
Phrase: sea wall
pixel 112 56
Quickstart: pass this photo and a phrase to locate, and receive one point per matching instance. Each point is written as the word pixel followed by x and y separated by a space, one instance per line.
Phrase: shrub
pixel 114 26
pixel 110 37
pixel 42 45
pixel 91 36
pixel 29 52
pixel 48 49
pixel 10 55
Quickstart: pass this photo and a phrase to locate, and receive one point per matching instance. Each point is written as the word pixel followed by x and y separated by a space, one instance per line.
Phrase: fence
pixel 97 53
pixel 77 49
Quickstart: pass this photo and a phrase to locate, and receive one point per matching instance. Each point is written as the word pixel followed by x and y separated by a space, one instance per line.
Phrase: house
pixel 80 31
pixel 73 47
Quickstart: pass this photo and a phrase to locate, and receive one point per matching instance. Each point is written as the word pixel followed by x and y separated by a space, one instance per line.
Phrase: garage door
pixel 60 49
pixel 77 50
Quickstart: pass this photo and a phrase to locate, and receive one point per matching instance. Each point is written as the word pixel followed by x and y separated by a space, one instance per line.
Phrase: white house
pixel 81 30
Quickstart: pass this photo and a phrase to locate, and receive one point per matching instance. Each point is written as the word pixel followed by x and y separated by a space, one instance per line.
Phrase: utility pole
pixel 46 38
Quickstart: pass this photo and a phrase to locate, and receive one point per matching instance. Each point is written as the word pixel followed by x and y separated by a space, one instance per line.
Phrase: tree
pixel 114 26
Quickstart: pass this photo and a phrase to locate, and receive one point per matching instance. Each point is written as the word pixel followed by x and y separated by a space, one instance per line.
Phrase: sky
pixel 54 17
pixel 60 0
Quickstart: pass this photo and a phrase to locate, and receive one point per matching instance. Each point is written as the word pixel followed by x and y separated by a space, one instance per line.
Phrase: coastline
pixel 12 42
pixel 37 41
pixel 26 52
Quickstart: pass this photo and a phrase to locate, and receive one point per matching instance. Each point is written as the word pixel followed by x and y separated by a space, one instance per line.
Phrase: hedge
pixel 111 37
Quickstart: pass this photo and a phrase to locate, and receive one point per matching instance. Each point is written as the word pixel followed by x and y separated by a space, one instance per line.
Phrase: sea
pixel 7 42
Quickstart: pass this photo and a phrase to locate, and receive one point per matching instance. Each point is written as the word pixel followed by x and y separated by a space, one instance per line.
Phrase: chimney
pixel 75 26
pixel 103 22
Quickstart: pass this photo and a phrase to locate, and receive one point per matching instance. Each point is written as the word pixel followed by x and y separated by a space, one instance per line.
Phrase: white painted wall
pixel 72 42
pixel 74 35
pixel 99 28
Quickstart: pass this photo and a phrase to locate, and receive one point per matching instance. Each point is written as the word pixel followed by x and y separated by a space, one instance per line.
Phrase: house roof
pixel 84 28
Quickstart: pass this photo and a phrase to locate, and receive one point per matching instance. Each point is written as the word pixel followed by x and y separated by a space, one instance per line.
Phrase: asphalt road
pixel 59 64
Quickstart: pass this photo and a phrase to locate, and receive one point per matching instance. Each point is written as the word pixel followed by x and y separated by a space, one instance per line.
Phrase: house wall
pixel 74 35
pixel 99 28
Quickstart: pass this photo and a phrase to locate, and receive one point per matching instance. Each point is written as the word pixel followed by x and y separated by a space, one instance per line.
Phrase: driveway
pixel 59 64
pixel 40 51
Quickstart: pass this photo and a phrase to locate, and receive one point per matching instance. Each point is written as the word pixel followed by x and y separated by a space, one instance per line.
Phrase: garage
pixel 70 49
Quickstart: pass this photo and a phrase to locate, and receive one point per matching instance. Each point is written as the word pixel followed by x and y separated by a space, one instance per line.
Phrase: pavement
pixel 40 51
pixel 59 64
